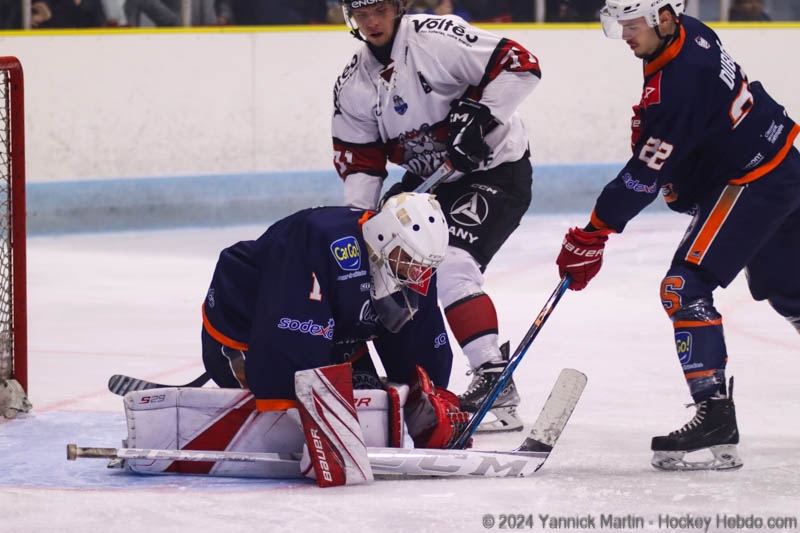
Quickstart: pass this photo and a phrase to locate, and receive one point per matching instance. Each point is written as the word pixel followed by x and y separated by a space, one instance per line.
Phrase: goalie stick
pixel 520 462
pixel 514 360
pixel 122 385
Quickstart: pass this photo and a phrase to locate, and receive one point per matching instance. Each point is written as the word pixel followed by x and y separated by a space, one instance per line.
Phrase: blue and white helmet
pixel 616 12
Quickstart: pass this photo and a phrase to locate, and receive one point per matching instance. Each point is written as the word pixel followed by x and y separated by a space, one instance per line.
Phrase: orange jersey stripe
pixel 713 224
pixel 668 55
pixel 690 375
pixel 774 162
pixel 275 405
pixel 599 224
pixel 219 337
pixel 696 323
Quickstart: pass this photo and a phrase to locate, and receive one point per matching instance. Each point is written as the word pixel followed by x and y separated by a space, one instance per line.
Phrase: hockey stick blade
pixel 555 413
pixel 444 171
pixel 122 385
pixel 514 360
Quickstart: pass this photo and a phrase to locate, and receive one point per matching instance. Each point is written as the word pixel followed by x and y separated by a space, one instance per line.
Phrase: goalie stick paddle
pixel 122 385
pixel 514 360
pixel 523 461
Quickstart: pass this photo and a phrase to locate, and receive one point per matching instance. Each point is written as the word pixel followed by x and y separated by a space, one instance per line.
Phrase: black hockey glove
pixel 395 189
pixel 468 123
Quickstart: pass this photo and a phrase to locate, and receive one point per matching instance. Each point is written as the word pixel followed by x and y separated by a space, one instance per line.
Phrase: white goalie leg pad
pixel 330 423
pixel 208 419
pixel 227 420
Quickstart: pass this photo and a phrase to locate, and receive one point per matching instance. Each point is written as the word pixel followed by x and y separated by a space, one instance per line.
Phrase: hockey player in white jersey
pixel 422 90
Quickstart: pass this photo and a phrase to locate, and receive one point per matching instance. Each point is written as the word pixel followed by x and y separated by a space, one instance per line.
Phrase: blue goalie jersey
pixel 298 297
pixel 700 124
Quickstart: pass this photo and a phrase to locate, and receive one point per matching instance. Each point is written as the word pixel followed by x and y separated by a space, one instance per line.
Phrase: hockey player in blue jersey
pixel 316 286
pixel 720 149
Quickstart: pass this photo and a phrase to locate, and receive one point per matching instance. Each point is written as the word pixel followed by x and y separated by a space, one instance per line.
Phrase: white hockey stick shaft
pixel 444 171
pixel 74 452
pixel 384 461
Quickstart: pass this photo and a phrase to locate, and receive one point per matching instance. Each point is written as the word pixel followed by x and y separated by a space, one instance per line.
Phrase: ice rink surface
pixel 129 303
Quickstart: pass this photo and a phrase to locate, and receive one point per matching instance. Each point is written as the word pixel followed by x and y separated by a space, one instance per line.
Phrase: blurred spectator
pixel 160 12
pixel 335 13
pixel 494 11
pixel 69 14
pixel 203 13
pixel 748 10
pixel 10 14
pixel 573 10
pixel 269 12
pixel 436 7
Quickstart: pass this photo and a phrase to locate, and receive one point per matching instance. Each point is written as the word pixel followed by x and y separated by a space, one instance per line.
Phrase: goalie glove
pixel 470 121
pixel 433 415
pixel 581 256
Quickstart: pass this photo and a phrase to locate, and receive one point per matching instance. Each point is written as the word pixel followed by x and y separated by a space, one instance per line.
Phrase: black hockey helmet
pixel 348 6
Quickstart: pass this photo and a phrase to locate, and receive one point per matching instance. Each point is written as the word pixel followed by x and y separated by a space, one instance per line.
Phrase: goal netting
pixel 13 313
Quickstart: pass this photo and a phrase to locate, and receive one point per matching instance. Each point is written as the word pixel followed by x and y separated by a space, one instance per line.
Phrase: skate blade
pixel 500 419
pixel 724 457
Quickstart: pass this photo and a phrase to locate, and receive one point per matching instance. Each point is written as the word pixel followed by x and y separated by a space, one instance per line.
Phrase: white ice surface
pixel 130 303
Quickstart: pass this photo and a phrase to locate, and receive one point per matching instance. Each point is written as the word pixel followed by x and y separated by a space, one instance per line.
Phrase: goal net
pixel 13 326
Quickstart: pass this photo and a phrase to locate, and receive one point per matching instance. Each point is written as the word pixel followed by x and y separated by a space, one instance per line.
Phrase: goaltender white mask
pixel 406 241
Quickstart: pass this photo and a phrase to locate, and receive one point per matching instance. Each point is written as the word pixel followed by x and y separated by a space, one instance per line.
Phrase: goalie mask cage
pixel 13 313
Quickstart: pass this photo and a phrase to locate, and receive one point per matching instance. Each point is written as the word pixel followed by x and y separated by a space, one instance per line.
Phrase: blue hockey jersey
pixel 298 297
pixel 700 124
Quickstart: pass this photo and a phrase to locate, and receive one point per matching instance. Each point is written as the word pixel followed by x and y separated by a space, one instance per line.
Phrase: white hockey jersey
pixel 399 112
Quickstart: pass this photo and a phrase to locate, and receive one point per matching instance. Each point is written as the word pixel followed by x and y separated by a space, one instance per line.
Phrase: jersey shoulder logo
pixel 347 253
pixel 702 43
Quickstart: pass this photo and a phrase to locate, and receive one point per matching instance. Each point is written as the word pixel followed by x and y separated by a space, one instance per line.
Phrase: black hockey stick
pixel 122 385
pixel 514 360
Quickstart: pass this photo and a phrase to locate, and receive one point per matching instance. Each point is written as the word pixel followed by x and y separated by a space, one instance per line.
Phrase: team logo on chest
pixel 347 253
pixel 399 105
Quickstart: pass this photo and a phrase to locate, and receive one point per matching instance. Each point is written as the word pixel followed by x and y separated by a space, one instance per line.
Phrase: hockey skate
pixel 713 429
pixel 503 412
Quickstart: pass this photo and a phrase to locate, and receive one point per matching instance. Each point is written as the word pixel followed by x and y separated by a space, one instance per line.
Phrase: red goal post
pixel 13 305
